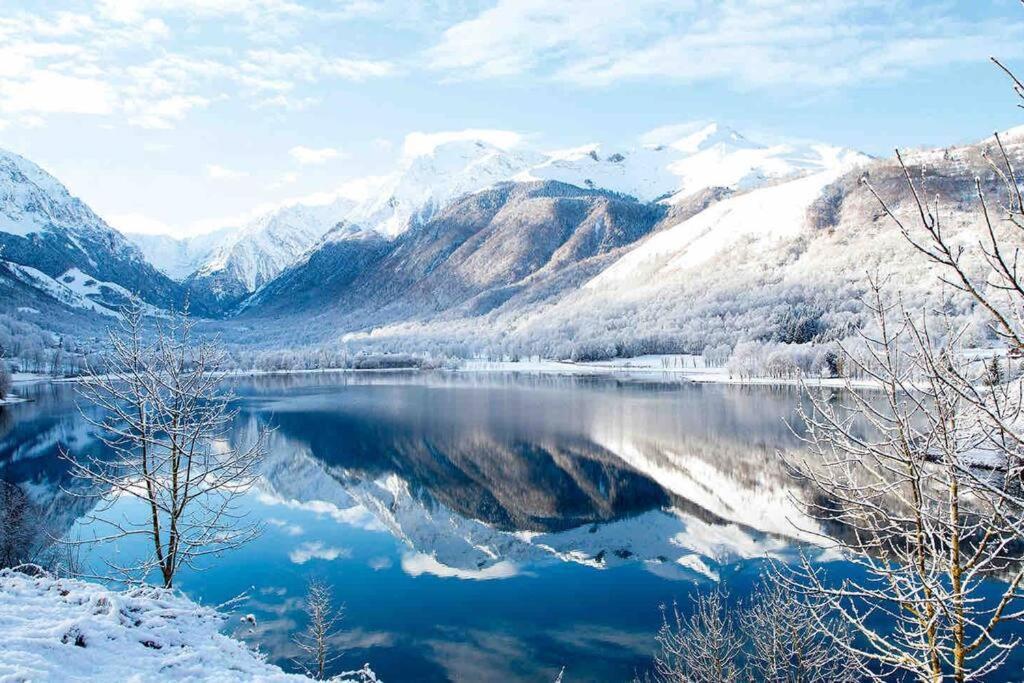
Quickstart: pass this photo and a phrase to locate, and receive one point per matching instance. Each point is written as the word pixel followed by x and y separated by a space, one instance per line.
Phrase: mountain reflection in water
pixel 467 521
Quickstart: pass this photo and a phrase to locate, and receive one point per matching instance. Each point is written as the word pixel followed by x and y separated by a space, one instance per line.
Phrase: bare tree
pixel 772 637
pixel 895 478
pixel 704 647
pixel 164 422
pixel 321 629
pixel 785 644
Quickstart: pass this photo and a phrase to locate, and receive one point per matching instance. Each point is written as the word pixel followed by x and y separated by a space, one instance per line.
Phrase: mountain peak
pixel 419 144
pixel 709 135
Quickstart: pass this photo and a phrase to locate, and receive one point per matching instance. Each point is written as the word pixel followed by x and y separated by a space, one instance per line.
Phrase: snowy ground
pixel 68 630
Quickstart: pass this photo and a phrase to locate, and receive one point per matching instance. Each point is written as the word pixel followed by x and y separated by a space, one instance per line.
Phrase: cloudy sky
pixel 183 115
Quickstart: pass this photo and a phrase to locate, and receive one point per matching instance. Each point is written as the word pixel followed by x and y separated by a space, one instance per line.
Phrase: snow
pixel 769 214
pixel 70 630
pixel 431 175
pixel 87 286
pixel 268 244
pixel 177 258
pixel 77 289
pixel 703 155
pixel 642 173
pixel 33 201
pixel 71 292
pixel 22 186
pixel 252 253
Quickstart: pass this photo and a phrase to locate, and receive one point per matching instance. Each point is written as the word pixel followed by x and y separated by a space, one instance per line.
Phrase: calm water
pixel 489 527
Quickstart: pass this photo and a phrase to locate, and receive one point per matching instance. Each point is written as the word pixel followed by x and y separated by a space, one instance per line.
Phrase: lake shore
pixel 675 368
pixel 652 368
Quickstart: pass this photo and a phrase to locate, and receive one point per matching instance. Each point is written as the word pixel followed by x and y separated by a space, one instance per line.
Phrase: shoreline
pixel 651 368
pixel 631 368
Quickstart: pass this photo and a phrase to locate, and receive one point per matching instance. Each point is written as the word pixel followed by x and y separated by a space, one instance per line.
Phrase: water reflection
pixel 465 517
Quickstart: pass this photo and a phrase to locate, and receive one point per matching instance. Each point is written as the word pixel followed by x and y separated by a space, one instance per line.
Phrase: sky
pixel 181 116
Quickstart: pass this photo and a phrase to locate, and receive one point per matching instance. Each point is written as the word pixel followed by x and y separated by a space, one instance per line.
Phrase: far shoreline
pixel 667 368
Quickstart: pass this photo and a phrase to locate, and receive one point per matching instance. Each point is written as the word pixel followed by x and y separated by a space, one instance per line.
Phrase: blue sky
pixel 181 115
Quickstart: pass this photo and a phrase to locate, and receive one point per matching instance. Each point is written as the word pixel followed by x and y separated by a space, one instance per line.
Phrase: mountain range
pixel 697 236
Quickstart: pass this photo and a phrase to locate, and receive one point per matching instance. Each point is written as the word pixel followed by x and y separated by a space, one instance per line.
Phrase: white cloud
pixel 162 113
pixel 357 515
pixel 48 92
pixel 126 59
pixel 749 43
pixel 379 563
pixel 286 527
pixel 316 550
pixel 418 143
pixel 218 172
pixel 357 69
pixel 415 564
pixel 280 69
pixel 137 11
pixel 288 103
pixel 286 179
pixel 310 155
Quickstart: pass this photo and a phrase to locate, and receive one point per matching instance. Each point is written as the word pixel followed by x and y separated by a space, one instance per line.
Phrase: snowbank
pixel 69 630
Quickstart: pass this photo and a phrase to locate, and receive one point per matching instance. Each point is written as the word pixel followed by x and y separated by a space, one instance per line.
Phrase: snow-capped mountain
pixel 428 207
pixel 785 260
pixel 681 160
pixel 430 176
pixel 178 257
pixel 472 256
pixel 244 260
pixel 475 226
pixel 222 267
pixel 58 247
pixel 434 172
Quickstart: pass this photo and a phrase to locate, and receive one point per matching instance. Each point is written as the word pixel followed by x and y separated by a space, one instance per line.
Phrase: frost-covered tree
pixel 704 646
pixel 772 636
pixel 163 419
pixel 315 642
pixel 894 479
pixel 927 498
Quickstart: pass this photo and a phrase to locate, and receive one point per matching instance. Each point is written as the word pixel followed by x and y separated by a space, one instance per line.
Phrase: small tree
pixel 704 647
pixel 321 629
pixel 772 637
pixel 785 643
pixel 164 422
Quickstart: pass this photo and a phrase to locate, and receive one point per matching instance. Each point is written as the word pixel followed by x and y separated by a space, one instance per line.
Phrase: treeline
pixel 27 347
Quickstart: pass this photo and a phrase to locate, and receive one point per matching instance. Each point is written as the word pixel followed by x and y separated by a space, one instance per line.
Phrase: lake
pixel 474 526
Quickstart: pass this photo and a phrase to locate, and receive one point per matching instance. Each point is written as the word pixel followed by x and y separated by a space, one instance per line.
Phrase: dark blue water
pixel 474 527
